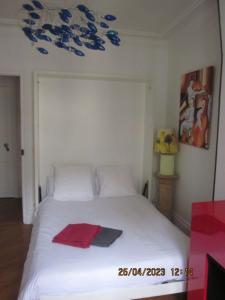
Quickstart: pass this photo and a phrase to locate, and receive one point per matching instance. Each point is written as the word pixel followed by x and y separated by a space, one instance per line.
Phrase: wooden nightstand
pixel 166 186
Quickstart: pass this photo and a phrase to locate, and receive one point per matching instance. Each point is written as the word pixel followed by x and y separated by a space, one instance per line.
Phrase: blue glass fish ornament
pixel 28 7
pixel 112 32
pixel 66 29
pixel 64 18
pixel 34 15
pixel 66 13
pixel 65 38
pixel 110 18
pixel 92 27
pixel 100 47
pixel 29 33
pixel 76 51
pixel 42 50
pixel 47 26
pixel 79 52
pixel 84 30
pixel 59 44
pixel 82 8
pixel 57 30
pixel 115 43
pixel 29 22
pixel 104 25
pixel 90 16
pixel 99 40
pixel 77 40
pixel 43 37
pixel 90 46
pixel 37 4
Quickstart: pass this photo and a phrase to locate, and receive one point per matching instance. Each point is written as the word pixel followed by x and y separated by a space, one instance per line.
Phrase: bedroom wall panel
pixel 96 121
pixel 194 45
pixel 142 57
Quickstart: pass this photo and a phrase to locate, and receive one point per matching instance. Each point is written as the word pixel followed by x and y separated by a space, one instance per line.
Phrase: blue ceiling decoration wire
pixel 67 28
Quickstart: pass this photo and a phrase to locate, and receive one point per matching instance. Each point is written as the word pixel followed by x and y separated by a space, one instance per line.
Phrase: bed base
pixel 127 293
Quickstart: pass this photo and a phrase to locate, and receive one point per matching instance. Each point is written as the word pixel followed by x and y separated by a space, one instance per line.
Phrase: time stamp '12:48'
pixel 176 272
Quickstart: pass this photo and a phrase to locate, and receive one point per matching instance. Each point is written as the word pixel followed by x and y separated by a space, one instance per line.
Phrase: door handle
pixel 6 146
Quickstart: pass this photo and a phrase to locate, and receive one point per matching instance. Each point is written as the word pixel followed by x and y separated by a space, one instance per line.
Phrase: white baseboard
pixel 183 224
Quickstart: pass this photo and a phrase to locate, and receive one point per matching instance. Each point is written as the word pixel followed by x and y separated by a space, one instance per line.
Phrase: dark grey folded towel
pixel 106 237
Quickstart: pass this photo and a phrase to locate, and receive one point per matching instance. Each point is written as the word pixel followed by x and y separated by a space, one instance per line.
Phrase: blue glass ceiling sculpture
pixel 70 29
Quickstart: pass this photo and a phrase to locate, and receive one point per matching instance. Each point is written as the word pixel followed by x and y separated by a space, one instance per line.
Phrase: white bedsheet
pixel 148 240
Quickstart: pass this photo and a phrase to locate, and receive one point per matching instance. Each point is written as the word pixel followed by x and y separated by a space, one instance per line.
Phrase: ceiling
pixel 153 17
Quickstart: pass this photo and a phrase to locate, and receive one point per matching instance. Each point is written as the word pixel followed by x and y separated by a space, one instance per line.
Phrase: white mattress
pixel 149 240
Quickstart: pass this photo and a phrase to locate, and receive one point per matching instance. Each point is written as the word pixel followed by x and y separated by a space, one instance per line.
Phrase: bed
pixel 149 242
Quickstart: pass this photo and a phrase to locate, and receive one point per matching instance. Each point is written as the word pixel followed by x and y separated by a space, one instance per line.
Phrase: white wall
pixel 220 170
pixel 96 121
pixel 139 57
pixel 194 45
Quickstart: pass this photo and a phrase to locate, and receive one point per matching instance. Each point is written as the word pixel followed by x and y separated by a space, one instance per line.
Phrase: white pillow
pixel 115 181
pixel 73 182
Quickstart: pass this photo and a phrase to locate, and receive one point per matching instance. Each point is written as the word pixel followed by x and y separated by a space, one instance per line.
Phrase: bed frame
pixel 127 293
pixel 116 293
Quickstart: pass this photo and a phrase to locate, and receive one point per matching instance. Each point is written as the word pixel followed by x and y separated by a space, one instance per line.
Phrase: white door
pixel 10 177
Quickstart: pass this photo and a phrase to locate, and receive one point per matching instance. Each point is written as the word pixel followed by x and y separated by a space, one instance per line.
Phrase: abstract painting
pixel 195 107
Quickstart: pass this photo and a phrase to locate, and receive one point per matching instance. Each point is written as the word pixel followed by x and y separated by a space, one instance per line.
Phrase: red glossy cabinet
pixel 207 251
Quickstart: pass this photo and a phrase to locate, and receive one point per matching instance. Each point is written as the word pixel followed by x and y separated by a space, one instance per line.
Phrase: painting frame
pixel 196 97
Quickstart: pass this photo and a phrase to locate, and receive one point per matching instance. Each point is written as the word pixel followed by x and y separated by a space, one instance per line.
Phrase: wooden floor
pixel 14 241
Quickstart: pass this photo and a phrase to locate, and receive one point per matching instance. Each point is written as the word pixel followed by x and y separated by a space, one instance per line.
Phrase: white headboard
pixel 100 121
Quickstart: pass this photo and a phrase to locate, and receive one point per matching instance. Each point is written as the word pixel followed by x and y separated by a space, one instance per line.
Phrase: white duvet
pixel 149 240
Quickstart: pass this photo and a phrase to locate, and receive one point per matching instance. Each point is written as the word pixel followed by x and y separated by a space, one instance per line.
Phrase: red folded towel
pixel 77 235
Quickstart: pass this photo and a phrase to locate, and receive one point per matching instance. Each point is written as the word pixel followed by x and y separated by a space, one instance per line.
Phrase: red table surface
pixel 207 237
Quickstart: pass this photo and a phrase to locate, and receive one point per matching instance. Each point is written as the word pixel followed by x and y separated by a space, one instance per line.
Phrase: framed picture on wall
pixel 195 107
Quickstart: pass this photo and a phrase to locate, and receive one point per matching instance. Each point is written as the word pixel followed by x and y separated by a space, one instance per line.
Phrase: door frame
pixel 22 137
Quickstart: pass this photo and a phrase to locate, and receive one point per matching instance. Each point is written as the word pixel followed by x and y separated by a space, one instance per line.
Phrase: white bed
pixel 149 240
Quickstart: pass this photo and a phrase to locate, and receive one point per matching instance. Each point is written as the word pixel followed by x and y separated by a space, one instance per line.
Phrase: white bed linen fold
pixel 149 240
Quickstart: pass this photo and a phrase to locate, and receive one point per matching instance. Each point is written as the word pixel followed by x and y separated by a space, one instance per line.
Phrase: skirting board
pixel 127 293
pixel 181 223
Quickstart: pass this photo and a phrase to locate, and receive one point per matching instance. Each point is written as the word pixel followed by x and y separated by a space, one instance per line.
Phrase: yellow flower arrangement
pixel 166 141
